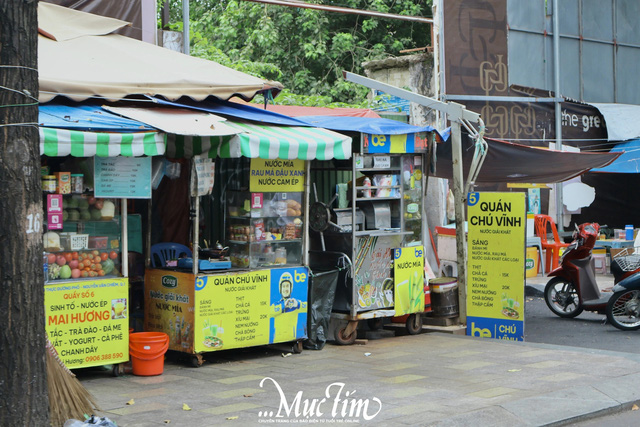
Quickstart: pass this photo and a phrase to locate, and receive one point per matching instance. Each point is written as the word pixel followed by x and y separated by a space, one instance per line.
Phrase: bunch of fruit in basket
pixel 74 265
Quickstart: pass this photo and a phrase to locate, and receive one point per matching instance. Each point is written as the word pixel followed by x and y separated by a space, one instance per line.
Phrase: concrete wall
pixel 415 73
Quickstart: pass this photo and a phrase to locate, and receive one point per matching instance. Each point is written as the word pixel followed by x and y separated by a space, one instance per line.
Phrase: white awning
pixel 83 64
pixel 178 121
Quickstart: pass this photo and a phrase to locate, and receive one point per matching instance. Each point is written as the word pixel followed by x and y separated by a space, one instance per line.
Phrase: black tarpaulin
pixel 511 162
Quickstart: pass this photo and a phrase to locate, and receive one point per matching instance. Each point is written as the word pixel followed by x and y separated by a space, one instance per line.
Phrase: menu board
pixel 122 177
pixel 249 309
pixel 495 266
pixel 87 321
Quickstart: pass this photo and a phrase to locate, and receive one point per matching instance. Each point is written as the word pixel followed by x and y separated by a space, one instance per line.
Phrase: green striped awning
pixel 65 142
pixel 265 142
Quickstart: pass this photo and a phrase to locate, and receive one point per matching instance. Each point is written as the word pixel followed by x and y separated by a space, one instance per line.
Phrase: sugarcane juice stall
pixel 375 217
pixel 87 179
pixel 243 281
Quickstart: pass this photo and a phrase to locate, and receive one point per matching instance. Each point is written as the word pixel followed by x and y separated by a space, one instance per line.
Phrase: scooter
pixel 573 287
pixel 623 308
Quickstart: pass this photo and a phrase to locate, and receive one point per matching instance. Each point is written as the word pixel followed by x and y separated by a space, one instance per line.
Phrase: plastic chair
pixel 162 252
pixel 552 247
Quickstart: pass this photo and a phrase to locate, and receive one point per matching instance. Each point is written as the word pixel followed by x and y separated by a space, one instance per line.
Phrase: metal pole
pixel 558 105
pixel 459 198
pixel 185 27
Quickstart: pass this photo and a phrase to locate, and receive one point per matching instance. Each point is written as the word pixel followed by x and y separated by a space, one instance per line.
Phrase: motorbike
pixel 623 308
pixel 573 287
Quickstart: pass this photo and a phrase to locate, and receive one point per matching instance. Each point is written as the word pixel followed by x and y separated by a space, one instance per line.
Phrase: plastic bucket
pixel 147 351
pixel 444 296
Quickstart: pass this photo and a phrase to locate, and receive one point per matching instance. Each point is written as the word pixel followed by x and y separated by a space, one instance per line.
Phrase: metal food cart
pixel 252 289
pixel 378 224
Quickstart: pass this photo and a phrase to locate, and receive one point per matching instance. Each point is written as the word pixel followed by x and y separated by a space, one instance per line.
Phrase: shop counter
pixel 227 309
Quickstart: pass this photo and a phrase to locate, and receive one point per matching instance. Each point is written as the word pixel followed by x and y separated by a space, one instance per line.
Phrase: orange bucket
pixel 147 351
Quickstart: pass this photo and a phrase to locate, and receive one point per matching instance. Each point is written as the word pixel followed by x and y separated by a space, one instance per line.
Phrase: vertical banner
pixel 169 308
pixel 88 321
pixel 495 266
pixel 408 276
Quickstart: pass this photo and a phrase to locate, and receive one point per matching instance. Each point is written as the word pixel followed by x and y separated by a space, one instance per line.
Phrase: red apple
pixel 51 258
pixel 75 273
pixel 61 260
pixel 73 264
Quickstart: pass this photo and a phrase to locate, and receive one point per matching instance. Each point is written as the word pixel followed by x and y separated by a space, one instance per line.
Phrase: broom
pixel 67 397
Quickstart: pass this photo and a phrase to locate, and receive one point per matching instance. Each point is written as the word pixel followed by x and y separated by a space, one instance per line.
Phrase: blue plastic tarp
pixel 629 160
pixel 373 126
pixel 86 117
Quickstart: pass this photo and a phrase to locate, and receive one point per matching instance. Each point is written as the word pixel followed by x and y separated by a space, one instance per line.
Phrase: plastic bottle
pixel 366 183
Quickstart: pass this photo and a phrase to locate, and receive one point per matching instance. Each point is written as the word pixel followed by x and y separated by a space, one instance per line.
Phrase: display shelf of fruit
pixel 81 264
pixel 82 208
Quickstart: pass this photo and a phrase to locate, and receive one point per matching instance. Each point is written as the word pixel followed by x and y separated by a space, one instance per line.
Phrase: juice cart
pixel 85 190
pixel 378 223
pixel 251 288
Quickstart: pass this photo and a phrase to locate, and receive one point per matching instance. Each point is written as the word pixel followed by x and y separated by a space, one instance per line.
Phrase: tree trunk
pixel 23 378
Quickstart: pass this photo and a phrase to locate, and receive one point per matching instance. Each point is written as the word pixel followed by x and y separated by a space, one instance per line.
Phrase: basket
pixel 75 242
pixel 628 262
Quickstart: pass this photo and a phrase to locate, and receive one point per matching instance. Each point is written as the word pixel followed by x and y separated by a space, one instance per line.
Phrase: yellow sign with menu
pixel 248 309
pixel 287 176
pixel 408 276
pixel 88 321
pixel 496 265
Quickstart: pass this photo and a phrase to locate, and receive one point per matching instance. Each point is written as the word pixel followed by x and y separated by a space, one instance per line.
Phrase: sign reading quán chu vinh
pixel 496 239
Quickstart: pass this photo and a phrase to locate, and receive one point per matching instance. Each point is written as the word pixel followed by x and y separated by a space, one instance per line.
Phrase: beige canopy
pixel 78 58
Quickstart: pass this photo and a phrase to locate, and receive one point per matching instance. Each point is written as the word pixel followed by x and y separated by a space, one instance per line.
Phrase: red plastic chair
pixel 551 247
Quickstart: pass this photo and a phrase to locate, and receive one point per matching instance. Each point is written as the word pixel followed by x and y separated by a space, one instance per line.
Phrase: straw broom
pixel 67 397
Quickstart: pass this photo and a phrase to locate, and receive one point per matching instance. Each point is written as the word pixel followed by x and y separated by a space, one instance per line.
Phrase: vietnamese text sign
pixel 248 309
pixel 169 307
pixel 285 175
pixel 495 265
pixel 88 321
pixel 408 275
pixel 122 177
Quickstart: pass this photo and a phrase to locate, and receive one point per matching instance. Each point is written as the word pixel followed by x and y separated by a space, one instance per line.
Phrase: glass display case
pixel 85 241
pixel 264 229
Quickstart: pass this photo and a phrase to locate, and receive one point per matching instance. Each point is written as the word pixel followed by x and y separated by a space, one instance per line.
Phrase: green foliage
pixel 304 49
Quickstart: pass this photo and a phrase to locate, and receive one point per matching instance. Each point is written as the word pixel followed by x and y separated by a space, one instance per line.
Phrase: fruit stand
pixel 85 190
pixel 252 289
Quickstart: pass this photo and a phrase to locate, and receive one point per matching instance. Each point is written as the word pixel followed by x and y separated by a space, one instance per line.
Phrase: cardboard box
pixel 64 182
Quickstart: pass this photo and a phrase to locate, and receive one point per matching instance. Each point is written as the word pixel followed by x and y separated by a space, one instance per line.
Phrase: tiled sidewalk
pixel 427 379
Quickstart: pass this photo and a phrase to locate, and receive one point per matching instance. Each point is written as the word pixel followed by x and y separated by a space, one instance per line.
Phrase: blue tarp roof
pixel 629 160
pixel 86 117
pixel 374 126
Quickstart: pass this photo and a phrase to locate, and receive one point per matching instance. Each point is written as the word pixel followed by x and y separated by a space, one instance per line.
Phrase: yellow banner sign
pixel 88 321
pixel 169 307
pixel 408 275
pixel 283 175
pixel 495 266
pixel 249 309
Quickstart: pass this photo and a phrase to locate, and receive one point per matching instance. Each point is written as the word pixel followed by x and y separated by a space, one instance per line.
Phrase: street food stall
pixel 239 278
pixel 370 209
pixel 92 163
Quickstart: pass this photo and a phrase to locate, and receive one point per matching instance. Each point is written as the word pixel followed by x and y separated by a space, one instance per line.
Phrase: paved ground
pixel 431 379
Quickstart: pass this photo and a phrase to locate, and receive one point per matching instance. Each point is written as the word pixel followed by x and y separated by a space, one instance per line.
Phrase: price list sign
pixel 495 265
pixel 123 177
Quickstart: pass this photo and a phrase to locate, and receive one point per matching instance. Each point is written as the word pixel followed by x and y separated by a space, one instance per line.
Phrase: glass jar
pixel 77 183
pixel 281 256
pixel 49 183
